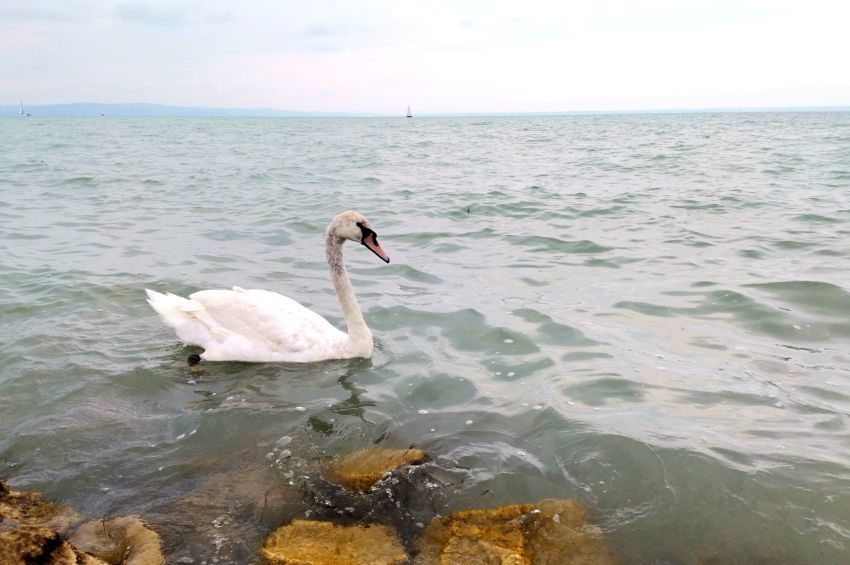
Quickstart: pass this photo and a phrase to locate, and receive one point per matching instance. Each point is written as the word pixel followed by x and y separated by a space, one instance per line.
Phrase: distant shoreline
pixel 90 109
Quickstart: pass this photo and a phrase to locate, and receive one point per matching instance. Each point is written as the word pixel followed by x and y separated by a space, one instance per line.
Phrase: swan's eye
pixel 366 232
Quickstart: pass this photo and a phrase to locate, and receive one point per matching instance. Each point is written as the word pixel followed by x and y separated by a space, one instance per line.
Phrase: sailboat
pixel 21 114
pixel 409 115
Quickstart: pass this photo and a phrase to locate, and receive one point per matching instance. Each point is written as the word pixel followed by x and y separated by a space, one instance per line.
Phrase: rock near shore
pixel 36 544
pixel 125 540
pixel 31 532
pixel 359 470
pixel 24 507
pixel 551 532
pixel 305 542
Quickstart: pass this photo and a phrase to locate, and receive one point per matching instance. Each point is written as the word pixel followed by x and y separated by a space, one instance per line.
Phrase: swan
pixel 263 326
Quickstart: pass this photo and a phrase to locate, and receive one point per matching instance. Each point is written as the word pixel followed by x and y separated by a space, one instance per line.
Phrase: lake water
pixel 649 313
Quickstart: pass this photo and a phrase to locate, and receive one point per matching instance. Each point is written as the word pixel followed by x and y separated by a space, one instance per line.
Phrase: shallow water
pixel 648 313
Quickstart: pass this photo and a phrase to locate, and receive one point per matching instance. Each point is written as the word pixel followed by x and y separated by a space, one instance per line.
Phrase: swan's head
pixel 354 226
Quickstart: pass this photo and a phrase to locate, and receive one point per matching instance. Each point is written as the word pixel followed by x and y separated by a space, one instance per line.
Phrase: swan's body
pixel 263 326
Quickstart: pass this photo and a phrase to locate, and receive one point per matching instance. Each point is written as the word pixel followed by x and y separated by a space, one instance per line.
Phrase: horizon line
pixel 329 113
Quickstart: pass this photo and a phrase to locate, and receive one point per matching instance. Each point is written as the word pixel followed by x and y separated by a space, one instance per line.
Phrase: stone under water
pixel 29 508
pixel 359 470
pixel 228 514
pixel 549 532
pixel 305 542
pixel 38 544
pixel 30 532
pixel 125 541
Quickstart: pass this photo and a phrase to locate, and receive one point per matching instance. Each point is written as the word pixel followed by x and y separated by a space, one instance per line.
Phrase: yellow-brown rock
pixel 550 532
pixel 305 542
pixel 29 529
pixel 29 508
pixel 38 544
pixel 360 470
pixel 126 540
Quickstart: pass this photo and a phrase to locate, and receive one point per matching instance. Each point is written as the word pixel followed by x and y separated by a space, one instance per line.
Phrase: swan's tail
pixel 170 307
pixel 185 316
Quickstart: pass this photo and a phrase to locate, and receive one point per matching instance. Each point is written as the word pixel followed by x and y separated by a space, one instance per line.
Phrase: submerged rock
pixel 228 514
pixel 38 544
pixel 305 542
pixel 125 541
pixel 29 508
pixel 550 532
pixel 405 499
pixel 359 470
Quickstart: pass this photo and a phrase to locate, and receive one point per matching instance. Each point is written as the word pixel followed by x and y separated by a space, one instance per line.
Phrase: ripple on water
pixel 616 210
pixel 438 391
pixel 815 297
pixel 599 391
pixel 537 243
pixel 79 181
pixel 818 219
pixel 508 371
pixel 789 318
pixel 413 274
pixel 794 245
pixel 549 331
pixel 466 330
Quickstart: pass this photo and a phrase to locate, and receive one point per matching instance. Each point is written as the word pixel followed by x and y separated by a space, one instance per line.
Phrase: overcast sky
pixel 438 56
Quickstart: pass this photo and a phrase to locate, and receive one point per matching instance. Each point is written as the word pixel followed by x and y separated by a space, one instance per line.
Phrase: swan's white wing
pixel 258 325
pixel 250 325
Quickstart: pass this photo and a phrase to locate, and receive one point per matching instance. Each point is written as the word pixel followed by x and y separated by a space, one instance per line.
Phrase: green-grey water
pixel 647 313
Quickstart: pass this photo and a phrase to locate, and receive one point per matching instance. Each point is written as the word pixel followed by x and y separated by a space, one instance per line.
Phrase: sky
pixel 437 56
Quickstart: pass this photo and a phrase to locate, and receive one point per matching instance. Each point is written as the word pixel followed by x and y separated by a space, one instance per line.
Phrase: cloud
pixel 43 11
pixel 224 16
pixel 332 37
pixel 142 14
pixel 450 55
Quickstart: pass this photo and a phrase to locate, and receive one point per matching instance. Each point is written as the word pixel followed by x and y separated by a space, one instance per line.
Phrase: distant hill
pixel 86 109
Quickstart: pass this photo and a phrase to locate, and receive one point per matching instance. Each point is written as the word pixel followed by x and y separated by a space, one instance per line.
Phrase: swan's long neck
pixel 359 336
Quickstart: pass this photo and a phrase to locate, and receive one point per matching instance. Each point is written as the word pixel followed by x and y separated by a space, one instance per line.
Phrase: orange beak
pixel 370 240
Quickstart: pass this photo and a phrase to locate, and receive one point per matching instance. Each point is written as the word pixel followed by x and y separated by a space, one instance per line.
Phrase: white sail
pixel 409 115
pixel 22 109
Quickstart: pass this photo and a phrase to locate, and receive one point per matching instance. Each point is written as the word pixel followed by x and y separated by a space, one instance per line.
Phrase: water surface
pixel 648 313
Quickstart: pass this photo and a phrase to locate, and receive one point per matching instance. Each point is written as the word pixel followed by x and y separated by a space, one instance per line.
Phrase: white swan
pixel 263 326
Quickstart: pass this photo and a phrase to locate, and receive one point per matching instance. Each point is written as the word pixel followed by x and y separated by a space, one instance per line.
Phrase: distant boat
pixel 409 115
pixel 21 114
pixel 102 113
